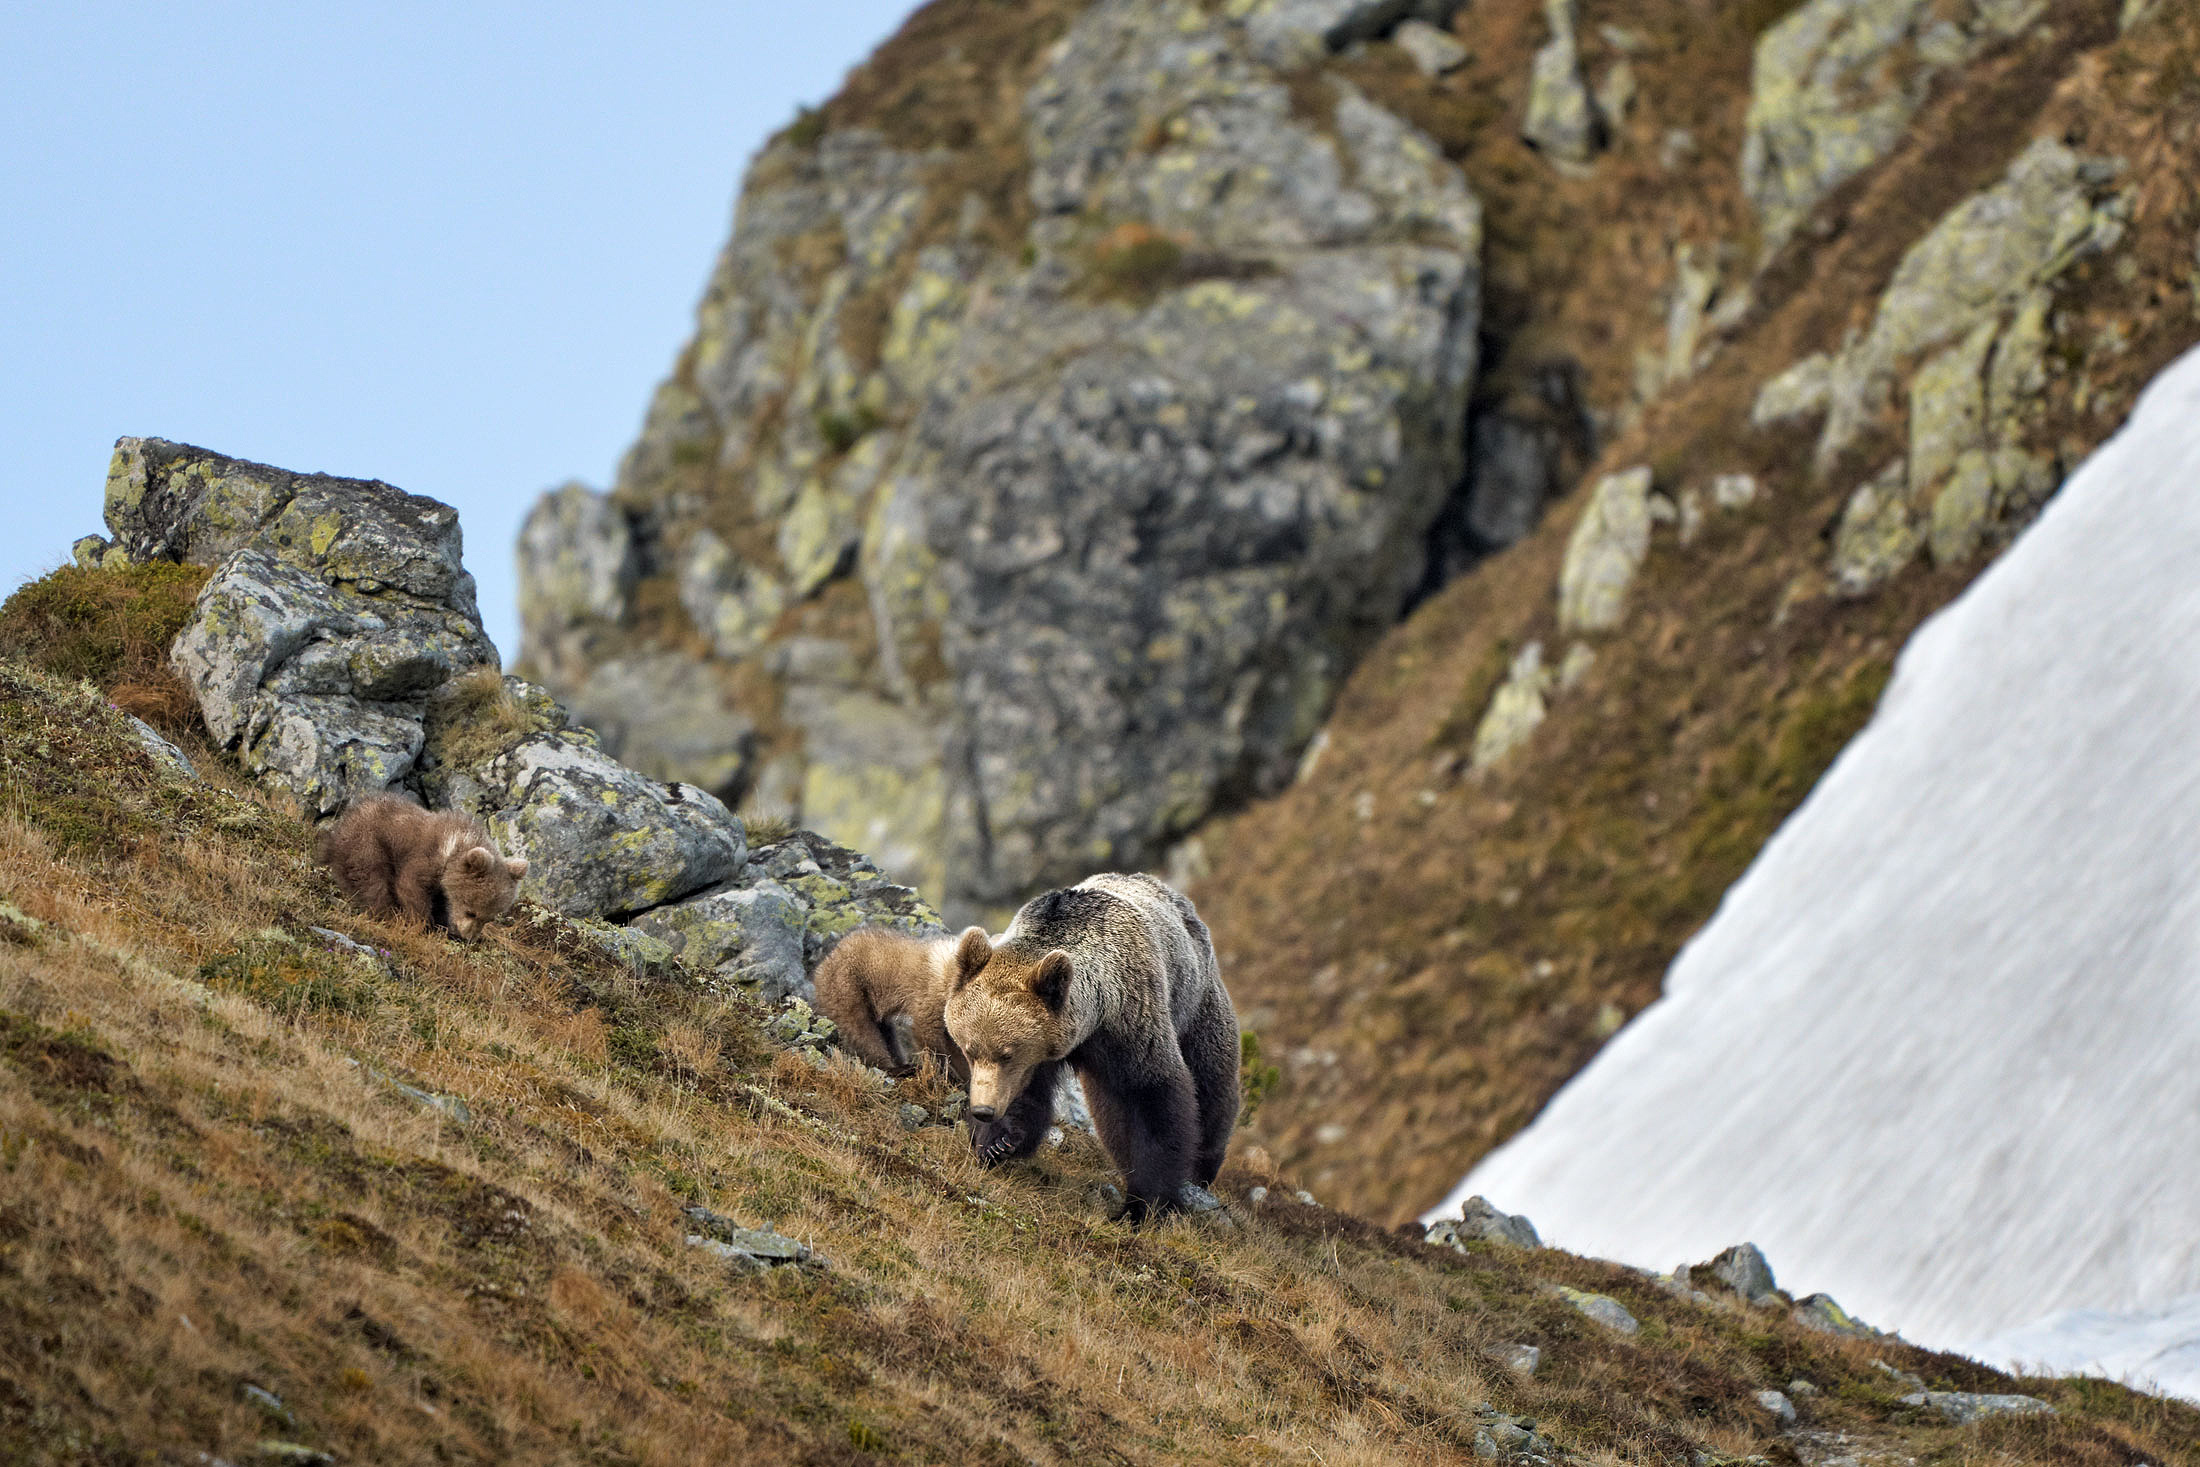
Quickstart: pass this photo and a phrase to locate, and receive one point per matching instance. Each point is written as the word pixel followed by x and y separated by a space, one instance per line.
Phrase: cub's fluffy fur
pixel 1116 977
pixel 390 855
pixel 875 977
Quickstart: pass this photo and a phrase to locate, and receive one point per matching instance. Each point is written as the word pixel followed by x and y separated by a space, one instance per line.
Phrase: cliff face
pixel 1030 485
pixel 1088 387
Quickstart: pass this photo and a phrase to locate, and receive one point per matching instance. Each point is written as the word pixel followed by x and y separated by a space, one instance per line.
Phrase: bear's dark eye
pixel 1004 1056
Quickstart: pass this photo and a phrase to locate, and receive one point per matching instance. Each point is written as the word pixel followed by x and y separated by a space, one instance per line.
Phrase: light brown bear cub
pixel 876 976
pixel 1115 976
pixel 390 855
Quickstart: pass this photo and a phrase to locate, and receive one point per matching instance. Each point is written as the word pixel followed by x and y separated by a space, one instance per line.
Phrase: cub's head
pixel 1004 1011
pixel 479 887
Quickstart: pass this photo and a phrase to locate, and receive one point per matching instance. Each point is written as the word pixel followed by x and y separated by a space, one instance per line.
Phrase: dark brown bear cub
pixel 1117 977
pixel 876 976
pixel 390 855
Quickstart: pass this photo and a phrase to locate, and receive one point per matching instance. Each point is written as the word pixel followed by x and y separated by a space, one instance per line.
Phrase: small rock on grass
pixel 271 1405
pixel 1602 1308
pixel 755 1249
pixel 1820 1313
pixel 1741 1268
pixel 1519 1359
pixel 1782 1409
pixel 1963 1407
pixel 914 1117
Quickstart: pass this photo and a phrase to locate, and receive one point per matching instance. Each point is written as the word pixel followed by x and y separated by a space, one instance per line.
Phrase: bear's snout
pixel 983 1112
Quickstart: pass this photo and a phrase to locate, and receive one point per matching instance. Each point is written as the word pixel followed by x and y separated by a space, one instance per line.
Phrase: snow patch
pixel 1936 1051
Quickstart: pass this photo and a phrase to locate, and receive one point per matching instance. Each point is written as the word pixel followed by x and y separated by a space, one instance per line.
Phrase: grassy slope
pixel 198 1192
pixel 1430 975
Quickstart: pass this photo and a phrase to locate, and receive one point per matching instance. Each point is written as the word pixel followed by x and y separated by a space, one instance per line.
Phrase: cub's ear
pixel 1050 985
pixel 479 861
pixel 517 867
pixel 972 952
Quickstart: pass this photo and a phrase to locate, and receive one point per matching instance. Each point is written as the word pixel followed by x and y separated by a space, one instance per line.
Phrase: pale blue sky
pixel 452 246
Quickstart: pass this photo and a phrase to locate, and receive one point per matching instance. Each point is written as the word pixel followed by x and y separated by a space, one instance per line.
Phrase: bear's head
pixel 1005 1012
pixel 479 887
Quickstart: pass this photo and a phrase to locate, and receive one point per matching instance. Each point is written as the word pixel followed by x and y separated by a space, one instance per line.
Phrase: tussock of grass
pixel 475 718
pixel 768 827
pixel 111 628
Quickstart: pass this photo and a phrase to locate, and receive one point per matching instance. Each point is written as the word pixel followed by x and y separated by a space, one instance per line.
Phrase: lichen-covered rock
pixel 662 715
pixel 1878 533
pixel 1964 1407
pixel 1562 119
pixel 1607 547
pixel 336 608
pixel 601 840
pixel 748 935
pixel 1798 392
pixel 1982 266
pixel 582 567
pixel 1121 503
pixel 162 751
pixel 1819 1312
pixel 838 890
pixel 1836 82
pixel 1433 51
pixel 1293 32
pixel 1516 709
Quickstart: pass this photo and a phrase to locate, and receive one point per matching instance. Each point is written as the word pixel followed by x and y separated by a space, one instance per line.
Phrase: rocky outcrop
pixel 1837 82
pixel 1096 520
pixel 1563 120
pixel 337 606
pixel 1967 314
pixel 335 649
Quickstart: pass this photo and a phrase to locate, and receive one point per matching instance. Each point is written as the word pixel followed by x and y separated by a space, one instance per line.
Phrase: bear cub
pixel 1117 978
pixel 390 855
pixel 876 976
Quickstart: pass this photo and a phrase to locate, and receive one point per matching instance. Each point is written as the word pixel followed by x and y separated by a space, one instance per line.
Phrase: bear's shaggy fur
pixel 1115 976
pixel 390 855
pixel 876 976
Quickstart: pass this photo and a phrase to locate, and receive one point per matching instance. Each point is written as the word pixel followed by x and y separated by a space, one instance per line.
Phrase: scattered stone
pixel 1306 1198
pixel 1741 1268
pixel 1519 1359
pixel 1257 1196
pixel 1877 535
pixel 952 1109
pixel 270 1405
pixel 1562 121
pixel 1734 491
pixel 799 1027
pixel 1516 708
pixel 1435 52
pixel 295 1454
pixel 1803 1390
pixel 1903 1379
pixel 448 1106
pixel 1499 1437
pixel 163 752
pixel 914 1117
pixel 1615 95
pixel 1964 1407
pixel 1782 1409
pixel 1605 550
pixel 1819 1312
pixel 1105 1198
pixel 1193 1200
pixel 644 955
pixel 755 1249
pixel 1602 1308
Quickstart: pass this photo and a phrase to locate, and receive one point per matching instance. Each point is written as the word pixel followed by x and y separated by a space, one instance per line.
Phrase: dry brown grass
pixel 199 1191
pixel 1432 975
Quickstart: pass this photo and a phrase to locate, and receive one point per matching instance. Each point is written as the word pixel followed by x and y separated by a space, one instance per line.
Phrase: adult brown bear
pixel 1115 976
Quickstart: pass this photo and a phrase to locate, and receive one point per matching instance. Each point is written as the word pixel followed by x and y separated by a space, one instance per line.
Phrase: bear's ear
pixel 479 861
pixel 1050 985
pixel 972 952
pixel 517 866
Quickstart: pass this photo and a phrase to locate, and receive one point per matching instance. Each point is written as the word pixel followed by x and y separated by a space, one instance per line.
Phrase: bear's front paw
pixel 996 1141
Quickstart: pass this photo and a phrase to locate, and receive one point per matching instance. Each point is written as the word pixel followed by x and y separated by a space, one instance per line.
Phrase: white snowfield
pixel 1938 1051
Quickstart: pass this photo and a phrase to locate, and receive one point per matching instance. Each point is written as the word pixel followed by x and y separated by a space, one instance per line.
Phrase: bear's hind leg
pixel 1211 1053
